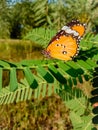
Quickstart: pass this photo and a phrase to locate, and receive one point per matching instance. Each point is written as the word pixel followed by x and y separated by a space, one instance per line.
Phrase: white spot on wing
pixel 65 27
pixel 70 31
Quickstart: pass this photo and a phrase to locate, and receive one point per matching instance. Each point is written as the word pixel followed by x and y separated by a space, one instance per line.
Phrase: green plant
pixel 84 10
pixel 40 36
pixel 5 25
pixel 41 78
pixel 20 17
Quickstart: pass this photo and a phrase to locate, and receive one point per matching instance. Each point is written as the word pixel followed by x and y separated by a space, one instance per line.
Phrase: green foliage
pixel 26 15
pixel 89 46
pixel 41 78
pixel 64 77
pixel 80 114
pixel 59 77
pixel 5 25
pixel 19 18
pixel 84 10
pixel 57 74
pixel 40 36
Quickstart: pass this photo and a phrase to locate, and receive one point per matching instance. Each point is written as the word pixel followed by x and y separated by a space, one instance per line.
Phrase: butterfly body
pixel 65 45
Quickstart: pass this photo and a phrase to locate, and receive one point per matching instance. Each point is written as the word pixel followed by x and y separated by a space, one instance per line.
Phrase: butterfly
pixel 65 44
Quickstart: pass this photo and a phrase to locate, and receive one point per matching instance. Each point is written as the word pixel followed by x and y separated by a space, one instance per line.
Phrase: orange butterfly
pixel 65 45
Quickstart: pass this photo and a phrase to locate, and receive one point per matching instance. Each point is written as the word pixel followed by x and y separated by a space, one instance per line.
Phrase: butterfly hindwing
pixel 64 48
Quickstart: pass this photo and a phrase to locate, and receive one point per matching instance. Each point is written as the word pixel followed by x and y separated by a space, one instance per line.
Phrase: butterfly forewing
pixel 80 29
pixel 77 26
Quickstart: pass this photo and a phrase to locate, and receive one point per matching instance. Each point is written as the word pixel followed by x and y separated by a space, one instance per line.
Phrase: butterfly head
pixel 46 53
